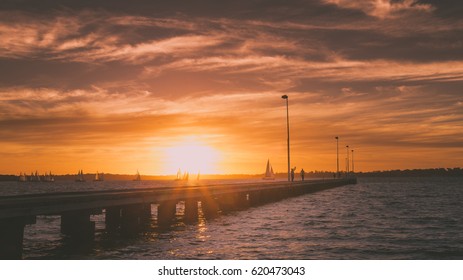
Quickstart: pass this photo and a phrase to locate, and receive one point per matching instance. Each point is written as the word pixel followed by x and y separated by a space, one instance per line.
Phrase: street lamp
pixel 352 161
pixel 287 127
pixel 337 157
pixel 347 161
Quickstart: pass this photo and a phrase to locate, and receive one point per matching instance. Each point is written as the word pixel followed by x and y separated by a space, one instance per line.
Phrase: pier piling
pixel 77 225
pixel 11 237
pixel 166 212
pixel 191 211
pixel 134 217
pixel 112 218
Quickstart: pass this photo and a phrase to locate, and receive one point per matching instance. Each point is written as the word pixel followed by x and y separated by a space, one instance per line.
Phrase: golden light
pixel 190 155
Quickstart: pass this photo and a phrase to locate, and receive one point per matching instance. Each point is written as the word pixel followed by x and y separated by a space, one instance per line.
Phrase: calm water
pixel 379 218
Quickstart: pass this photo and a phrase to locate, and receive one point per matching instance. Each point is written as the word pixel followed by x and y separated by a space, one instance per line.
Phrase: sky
pixel 120 86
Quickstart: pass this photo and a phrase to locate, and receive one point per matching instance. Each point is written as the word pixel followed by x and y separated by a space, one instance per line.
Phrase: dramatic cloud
pixel 90 82
pixel 383 8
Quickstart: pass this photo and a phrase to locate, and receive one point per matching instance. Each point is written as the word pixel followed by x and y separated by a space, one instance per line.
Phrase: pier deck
pixel 127 210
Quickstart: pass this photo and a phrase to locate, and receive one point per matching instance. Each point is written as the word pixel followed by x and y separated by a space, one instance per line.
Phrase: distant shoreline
pixel 430 172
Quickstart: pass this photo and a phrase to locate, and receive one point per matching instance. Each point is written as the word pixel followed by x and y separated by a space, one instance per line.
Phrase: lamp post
pixel 352 161
pixel 347 161
pixel 287 127
pixel 337 157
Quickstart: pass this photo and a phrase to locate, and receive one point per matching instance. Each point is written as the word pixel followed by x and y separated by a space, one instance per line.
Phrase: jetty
pixel 126 211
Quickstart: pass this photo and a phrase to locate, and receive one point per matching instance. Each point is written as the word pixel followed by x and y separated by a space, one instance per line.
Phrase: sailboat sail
pixel 99 177
pixel 269 175
pixel 179 175
pixel 184 177
pixel 22 177
pixel 80 176
pixel 137 178
pixel 48 177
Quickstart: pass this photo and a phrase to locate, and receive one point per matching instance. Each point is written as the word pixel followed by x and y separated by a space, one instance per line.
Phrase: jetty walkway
pixel 126 211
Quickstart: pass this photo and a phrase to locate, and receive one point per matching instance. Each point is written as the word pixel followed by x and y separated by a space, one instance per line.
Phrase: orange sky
pixel 114 89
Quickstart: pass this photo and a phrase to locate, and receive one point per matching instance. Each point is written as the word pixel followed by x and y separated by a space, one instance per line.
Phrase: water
pixel 379 218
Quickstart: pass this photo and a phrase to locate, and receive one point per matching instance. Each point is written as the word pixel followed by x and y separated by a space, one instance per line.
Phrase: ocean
pixel 379 218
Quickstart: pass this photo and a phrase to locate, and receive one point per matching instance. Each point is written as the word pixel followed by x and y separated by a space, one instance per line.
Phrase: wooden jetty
pixel 127 210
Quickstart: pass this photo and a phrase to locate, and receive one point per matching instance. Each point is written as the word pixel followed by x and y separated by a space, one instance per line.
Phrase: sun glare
pixel 191 155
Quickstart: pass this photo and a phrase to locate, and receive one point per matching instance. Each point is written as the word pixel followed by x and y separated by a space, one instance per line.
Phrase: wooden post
pixel 113 218
pixel 191 211
pixel 77 225
pixel 11 237
pixel 166 212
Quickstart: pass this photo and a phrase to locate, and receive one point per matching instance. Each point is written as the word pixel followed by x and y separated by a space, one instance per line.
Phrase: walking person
pixel 302 174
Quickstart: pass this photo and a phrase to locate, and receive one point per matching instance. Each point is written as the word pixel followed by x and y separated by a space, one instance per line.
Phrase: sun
pixel 190 155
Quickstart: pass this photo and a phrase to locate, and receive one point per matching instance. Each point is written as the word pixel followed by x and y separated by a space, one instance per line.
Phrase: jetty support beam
pixel 133 217
pixel 166 212
pixel 11 237
pixel 77 225
pixel 191 211
pixel 113 218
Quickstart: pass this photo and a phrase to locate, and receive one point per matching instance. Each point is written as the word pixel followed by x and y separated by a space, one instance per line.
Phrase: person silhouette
pixel 302 174
pixel 292 173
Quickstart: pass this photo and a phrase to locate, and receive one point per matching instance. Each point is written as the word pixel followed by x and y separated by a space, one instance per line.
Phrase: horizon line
pixel 250 174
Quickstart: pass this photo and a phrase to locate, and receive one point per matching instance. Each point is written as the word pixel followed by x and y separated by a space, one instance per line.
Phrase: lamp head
pixel 284 96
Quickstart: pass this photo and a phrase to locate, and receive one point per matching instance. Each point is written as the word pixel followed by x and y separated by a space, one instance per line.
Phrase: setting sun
pixel 190 155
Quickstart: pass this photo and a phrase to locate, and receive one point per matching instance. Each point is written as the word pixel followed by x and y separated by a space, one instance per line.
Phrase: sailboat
pixel 98 177
pixel 80 176
pixel 179 175
pixel 22 177
pixel 36 177
pixel 269 175
pixel 48 177
pixel 186 175
pixel 137 178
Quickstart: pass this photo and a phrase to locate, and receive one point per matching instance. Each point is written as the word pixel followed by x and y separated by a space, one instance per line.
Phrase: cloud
pixel 237 123
pixel 83 38
pixel 105 81
pixel 337 70
pixel 96 37
pixel 24 35
pixel 149 50
pixel 383 8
